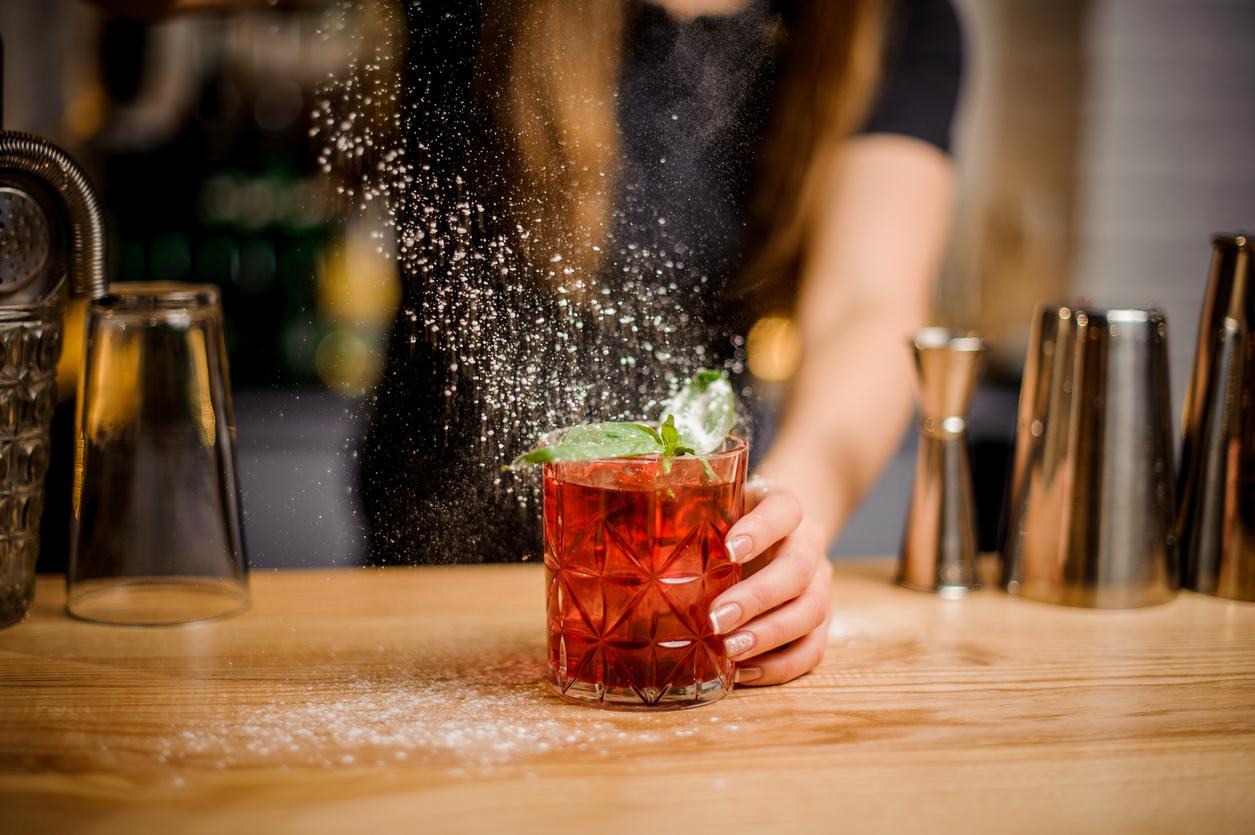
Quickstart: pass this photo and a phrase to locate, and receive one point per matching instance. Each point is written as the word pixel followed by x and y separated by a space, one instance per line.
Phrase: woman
pixel 655 160
pixel 597 196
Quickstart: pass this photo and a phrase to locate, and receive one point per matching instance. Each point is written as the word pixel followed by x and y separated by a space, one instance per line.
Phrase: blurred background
pixel 1099 143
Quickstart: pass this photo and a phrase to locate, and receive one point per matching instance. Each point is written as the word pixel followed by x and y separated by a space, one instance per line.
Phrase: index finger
pixel 774 516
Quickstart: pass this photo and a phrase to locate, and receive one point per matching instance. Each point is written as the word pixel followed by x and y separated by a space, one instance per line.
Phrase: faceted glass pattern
pixel 30 346
pixel 634 556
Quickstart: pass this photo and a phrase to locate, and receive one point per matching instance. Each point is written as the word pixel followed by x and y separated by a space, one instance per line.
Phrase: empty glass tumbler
pixel 156 533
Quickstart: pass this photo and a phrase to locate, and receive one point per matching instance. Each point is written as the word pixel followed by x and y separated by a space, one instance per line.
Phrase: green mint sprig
pixel 694 422
pixel 671 445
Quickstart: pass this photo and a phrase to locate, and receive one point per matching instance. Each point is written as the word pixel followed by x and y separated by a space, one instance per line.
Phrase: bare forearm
pixel 865 290
pixel 850 405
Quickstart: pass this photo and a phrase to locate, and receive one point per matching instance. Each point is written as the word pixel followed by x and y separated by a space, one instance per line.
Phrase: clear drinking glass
pixel 156 533
pixel 634 556
pixel 30 345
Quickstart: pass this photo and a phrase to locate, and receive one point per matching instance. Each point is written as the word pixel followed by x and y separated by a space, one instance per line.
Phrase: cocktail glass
pixel 634 556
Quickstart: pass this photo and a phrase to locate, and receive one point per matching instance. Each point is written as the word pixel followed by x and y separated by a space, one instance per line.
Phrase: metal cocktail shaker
pixel 51 245
pixel 1092 509
pixel 1216 520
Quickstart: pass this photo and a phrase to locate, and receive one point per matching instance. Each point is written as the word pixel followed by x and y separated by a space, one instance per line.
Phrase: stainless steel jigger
pixel 1092 505
pixel 939 547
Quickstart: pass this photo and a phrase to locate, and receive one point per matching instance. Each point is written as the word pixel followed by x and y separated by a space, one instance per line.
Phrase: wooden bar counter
pixel 410 700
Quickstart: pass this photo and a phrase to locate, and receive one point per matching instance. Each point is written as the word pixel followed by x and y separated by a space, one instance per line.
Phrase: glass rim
pixel 158 295
pixel 740 444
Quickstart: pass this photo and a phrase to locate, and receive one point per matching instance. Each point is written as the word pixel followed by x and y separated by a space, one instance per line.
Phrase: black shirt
pixel 469 382
pixel 694 99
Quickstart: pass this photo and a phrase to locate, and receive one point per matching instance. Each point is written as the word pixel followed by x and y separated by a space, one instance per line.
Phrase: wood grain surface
pixel 410 700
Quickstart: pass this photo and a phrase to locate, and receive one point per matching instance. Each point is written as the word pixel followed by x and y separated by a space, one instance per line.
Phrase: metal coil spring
pixel 39 158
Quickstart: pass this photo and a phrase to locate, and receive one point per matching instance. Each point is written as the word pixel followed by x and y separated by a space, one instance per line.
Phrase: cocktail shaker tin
pixel 1092 510
pixel 1216 521
pixel 52 243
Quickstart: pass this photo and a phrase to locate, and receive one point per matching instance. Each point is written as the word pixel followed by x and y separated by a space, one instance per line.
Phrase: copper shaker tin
pixel 1092 506
pixel 1216 520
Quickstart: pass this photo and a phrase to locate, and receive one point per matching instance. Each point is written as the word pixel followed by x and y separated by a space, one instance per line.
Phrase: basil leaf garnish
pixel 694 422
pixel 595 440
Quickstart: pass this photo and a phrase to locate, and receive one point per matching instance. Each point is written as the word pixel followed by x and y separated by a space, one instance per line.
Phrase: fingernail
pixel 738 644
pixel 739 548
pixel 744 675
pixel 725 617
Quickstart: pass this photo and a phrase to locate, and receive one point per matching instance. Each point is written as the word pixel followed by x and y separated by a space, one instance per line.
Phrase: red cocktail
pixel 634 556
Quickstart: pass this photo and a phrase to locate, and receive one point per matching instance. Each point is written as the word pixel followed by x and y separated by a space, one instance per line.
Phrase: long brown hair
pixel 557 115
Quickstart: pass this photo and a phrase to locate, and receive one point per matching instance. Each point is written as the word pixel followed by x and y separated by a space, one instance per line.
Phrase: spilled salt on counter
pixel 449 723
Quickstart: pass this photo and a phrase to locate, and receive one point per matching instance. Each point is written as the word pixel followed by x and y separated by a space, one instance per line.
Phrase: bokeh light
pixel 773 348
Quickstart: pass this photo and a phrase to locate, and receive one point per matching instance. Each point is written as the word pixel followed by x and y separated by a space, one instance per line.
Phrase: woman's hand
pixel 864 292
pixel 775 621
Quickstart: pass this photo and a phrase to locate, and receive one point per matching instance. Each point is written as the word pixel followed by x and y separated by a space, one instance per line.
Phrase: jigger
pixel 939 546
